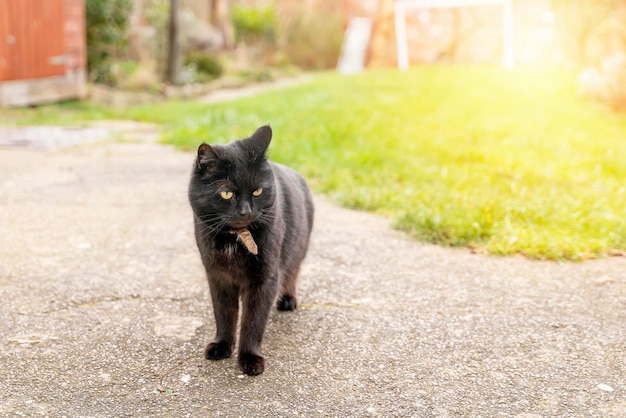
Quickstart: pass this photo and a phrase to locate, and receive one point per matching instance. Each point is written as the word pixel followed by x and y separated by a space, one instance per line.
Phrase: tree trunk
pixel 381 50
pixel 220 19
pixel 174 55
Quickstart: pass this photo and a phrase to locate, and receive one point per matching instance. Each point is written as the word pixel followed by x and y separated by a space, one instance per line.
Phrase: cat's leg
pixel 287 300
pixel 256 304
pixel 225 308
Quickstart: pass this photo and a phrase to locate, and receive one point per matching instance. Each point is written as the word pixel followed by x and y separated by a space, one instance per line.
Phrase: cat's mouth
pixel 240 223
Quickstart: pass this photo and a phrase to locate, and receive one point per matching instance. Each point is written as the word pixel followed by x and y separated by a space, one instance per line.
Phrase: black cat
pixel 253 219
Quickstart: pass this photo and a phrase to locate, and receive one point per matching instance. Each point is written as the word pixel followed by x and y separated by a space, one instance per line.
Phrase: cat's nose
pixel 244 209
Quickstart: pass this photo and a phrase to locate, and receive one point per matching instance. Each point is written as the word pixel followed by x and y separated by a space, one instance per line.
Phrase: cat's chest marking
pixel 227 258
pixel 230 250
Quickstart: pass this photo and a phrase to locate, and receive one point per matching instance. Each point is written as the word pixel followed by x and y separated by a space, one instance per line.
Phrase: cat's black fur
pixel 280 221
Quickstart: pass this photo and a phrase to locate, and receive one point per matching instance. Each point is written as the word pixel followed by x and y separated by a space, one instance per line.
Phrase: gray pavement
pixel 105 311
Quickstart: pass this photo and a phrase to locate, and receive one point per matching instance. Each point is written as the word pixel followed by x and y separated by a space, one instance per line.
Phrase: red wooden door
pixel 32 42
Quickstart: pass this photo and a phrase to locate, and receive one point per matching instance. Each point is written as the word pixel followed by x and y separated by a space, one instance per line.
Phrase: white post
pixel 401 37
pixel 507 34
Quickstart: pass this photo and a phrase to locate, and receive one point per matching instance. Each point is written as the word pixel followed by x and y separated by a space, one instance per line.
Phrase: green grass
pixel 507 162
pixel 63 114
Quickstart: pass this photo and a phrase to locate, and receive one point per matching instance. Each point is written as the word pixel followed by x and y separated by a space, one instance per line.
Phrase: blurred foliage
pixel 313 41
pixel 205 66
pixel 582 23
pixel 606 82
pixel 106 22
pixel 128 67
pixel 253 24
pixel 256 75
pixel 157 16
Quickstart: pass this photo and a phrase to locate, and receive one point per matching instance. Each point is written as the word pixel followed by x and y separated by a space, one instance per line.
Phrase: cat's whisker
pixel 266 218
pixel 210 218
pixel 220 228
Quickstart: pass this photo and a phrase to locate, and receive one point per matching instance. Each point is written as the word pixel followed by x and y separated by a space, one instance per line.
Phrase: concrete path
pixel 105 311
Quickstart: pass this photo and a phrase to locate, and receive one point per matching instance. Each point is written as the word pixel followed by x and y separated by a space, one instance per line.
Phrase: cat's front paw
pixel 217 351
pixel 251 364
pixel 287 303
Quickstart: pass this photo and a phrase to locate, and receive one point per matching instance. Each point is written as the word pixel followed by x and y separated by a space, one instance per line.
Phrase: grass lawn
pixel 507 162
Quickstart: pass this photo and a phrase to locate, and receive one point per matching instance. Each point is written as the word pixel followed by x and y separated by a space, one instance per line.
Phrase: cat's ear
pixel 208 156
pixel 260 140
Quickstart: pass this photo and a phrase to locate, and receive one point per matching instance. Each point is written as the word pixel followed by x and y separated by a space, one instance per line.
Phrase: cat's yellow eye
pixel 257 192
pixel 226 195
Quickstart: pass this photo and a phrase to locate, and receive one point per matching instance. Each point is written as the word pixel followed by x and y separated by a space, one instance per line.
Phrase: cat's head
pixel 232 186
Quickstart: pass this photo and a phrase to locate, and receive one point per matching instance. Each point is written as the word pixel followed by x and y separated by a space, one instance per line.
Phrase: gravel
pixel 106 310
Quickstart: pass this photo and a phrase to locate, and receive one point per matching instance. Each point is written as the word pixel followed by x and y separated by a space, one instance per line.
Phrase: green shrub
pixel 107 21
pixel 206 66
pixel 256 75
pixel 253 24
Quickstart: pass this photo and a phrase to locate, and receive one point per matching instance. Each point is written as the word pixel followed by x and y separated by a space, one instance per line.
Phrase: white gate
pixel 400 8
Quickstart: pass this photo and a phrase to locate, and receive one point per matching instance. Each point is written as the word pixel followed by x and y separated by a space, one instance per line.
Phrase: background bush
pixel 205 66
pixel 313 41
pixel 107 21
pixel 253 24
